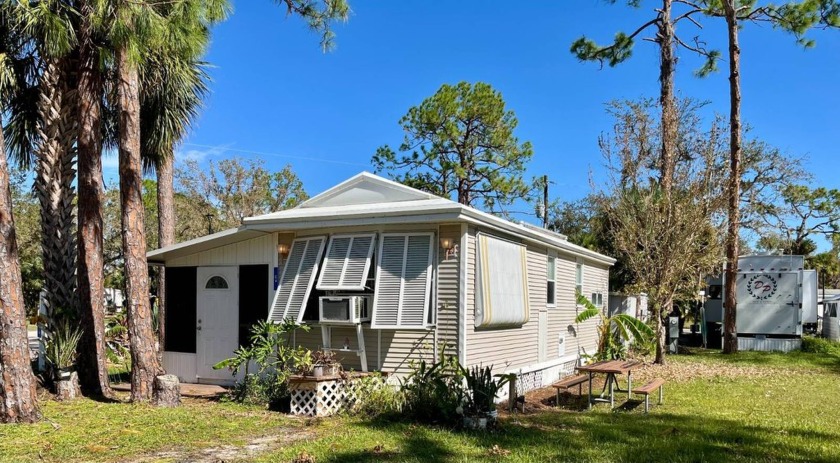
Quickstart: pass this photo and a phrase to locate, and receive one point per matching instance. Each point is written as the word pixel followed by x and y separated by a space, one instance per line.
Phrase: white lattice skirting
pixel 530 379
pixel 311 397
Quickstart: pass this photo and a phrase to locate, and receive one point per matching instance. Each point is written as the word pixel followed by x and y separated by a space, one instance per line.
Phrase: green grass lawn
pixel 86 430
pixel 749 407
pixel 779 408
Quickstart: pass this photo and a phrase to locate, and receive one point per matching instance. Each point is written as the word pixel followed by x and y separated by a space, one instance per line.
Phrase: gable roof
pixel 369 200
pixel 366 188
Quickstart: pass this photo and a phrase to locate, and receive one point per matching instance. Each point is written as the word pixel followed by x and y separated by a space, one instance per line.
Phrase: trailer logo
pixel 762 287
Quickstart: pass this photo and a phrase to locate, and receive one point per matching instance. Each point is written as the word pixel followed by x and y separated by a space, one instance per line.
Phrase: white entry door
pixel 217 320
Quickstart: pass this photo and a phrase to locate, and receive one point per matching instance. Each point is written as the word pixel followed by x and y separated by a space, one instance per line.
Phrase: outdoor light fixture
pixel 283 250
pixel 449 246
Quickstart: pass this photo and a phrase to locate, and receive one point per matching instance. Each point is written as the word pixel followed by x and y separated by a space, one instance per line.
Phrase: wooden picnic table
pixel 612 368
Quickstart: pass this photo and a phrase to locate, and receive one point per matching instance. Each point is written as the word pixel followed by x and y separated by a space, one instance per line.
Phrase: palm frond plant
pixel 61 348
pixel 482 388
pixel 613 331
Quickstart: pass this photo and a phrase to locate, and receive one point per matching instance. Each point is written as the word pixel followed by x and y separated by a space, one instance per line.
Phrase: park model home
pixel 382 273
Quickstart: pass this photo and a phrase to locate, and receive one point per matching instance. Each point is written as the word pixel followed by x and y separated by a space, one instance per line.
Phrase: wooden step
pixel 571 381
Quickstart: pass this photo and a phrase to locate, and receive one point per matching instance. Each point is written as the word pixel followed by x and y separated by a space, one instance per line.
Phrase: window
pixel 578 279
pixel 297 279
pixel 550 280
pixel 347 262
pixel 403 281
pixel 597 299
pixel 501 283
pixel 216 282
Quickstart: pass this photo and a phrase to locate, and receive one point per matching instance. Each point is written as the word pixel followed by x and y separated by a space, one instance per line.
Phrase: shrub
pixel 375 397
pixel 481 390
pixel 820 345
pixel 270 348
pixel 434 393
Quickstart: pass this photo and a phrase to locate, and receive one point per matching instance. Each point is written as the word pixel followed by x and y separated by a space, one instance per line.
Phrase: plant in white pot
pixel 61 353
pixel 325 363
pixel 482 388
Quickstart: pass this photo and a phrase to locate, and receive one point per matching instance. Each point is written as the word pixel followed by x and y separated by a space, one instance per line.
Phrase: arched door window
pixel 216 282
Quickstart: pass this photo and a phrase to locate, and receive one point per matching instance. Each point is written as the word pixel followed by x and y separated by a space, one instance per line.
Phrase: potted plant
pixel 61 353
pixel 480 397
pixel 325 363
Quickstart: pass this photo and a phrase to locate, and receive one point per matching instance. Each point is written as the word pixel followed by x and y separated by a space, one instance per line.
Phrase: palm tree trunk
pixel 730 339
pixel 166 230
pixel 54 178
pixel 18 401
pixel 92 359
pixel 144 362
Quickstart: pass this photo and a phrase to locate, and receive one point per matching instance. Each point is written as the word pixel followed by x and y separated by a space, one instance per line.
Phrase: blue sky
pixel 275 95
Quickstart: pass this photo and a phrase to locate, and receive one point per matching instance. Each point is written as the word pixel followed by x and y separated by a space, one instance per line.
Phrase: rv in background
pixel 776 302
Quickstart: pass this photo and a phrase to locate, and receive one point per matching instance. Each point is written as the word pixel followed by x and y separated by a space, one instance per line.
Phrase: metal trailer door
pixel 809 296
pixel 768 303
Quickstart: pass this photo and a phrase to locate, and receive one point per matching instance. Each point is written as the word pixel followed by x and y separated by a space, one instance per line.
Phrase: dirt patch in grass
pixel 281 437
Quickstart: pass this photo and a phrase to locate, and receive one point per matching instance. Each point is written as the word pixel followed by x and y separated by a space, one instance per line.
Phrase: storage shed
pixel 383 273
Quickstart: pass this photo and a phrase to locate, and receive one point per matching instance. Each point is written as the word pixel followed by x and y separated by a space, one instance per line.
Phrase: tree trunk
pixel 92 354
pixel 18 401
pixel 660 333
pixel 144 361
pixel 166 231
pixel 667 103
pixel 56 131
pixel 730 340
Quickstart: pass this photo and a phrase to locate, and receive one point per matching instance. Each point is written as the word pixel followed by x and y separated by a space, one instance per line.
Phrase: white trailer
pixel 775 297
pixel 831 321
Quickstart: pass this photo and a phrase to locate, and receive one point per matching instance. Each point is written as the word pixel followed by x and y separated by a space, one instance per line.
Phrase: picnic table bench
pixel 648 388
pixel 569 382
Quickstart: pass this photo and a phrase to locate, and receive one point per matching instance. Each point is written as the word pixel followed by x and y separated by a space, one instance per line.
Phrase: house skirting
pixel 769 344
pixel 540 374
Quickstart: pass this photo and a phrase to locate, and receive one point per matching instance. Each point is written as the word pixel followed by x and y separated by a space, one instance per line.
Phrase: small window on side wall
pixel 578 279
pixel 216 282
pixel 597 299
pixel 551 283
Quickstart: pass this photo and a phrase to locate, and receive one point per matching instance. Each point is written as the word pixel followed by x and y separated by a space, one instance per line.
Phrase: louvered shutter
pixel 297 279
pixel 403 281
pixel 347 262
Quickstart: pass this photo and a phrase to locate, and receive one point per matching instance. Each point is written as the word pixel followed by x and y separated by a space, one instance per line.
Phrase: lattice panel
pixel 529 381
pixel 322 398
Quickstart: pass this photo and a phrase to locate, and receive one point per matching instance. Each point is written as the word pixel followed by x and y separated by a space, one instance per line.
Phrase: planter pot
pixel 475 422
pixel 64 374
pixel 319 371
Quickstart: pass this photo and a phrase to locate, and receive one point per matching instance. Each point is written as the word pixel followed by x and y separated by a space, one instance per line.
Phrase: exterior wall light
pixel 449 247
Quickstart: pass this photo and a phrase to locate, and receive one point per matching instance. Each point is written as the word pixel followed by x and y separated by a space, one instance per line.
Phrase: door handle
pixel 198 327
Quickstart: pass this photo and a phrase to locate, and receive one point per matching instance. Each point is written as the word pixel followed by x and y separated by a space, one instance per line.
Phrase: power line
pixel 260 153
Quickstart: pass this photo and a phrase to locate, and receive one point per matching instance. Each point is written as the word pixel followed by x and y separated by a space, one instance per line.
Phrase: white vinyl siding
pixel 347 262
pixel 403 281
pixel 502 283
pixel 297 279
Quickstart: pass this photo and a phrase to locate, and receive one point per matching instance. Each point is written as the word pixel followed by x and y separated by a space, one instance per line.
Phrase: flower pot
pixel 319 371
pixel 64 374
pixel 475 422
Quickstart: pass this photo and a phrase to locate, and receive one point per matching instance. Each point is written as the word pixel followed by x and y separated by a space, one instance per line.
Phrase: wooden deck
pixel 202 391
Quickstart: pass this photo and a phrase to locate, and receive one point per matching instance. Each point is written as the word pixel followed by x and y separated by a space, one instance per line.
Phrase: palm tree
pixel 93 354
pixel 18 400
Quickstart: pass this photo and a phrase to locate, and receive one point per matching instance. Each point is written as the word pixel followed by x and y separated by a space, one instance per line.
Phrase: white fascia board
pixel 204 243
pixel 327 222
pixel 483 219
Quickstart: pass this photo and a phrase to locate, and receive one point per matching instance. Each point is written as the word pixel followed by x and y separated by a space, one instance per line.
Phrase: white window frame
pixel 551 259
pixel 430 271
pixel 342 287
pixel 579 272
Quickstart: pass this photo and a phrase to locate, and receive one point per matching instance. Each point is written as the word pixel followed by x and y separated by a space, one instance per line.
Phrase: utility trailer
pixel 776 299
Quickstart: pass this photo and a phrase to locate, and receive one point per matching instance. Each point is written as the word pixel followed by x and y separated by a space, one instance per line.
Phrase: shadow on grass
pixel 598 436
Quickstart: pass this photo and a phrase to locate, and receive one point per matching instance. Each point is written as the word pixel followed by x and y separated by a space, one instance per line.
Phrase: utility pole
pixel 545 201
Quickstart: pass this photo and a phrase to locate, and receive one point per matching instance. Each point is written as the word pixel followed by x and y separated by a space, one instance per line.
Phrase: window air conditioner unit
pixel 344 310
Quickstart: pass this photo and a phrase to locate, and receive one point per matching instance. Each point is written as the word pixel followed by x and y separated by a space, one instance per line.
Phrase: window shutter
pixel 403 281
pixel 297 279
pixel 501 283
pixel 347 263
